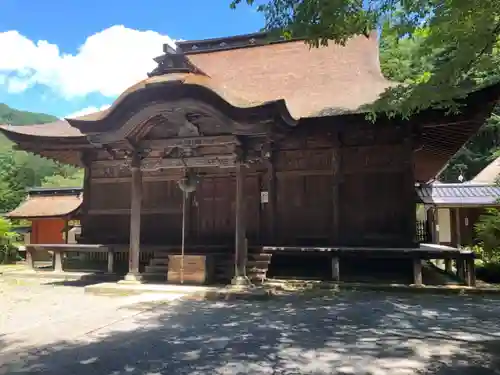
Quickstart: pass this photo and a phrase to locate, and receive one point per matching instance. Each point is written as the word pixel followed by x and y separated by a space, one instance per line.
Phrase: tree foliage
pixel 461 38
pixel 400 61
pixel 8 241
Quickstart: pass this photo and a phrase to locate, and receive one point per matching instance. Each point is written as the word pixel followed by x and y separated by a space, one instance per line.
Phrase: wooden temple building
pixel 245 147
pixel 49 212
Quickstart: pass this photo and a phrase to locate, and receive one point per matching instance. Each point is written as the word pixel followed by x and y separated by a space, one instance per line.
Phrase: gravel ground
pixel 61 331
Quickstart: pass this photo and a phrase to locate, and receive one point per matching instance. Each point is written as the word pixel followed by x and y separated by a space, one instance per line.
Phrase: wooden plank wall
pixel 352 187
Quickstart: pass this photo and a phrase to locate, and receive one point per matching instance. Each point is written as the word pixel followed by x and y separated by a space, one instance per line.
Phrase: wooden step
pixel 154 276
pixel 156 269
pixel 259 256
pixel 261 263
pixel 158 262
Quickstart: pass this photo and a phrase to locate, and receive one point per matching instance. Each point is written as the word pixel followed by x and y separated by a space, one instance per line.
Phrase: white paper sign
pixel 264 196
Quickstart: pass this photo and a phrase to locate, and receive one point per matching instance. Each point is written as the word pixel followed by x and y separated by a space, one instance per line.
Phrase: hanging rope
pixel 187 185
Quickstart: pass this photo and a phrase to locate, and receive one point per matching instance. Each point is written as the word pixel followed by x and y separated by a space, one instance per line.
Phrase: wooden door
pixel 214 208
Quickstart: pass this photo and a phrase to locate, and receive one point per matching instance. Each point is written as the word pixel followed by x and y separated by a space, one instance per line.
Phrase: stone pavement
pixel 60 331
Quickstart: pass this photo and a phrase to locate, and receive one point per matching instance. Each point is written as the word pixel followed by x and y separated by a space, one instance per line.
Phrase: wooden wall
pixel 325 186
pixel 47 231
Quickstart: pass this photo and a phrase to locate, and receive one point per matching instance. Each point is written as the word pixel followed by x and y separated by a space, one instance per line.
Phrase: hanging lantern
pixel 188 183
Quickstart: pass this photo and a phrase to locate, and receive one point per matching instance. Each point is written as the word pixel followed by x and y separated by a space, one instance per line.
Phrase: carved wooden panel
pixel 221 161
pixel 296 160
pixel 107 170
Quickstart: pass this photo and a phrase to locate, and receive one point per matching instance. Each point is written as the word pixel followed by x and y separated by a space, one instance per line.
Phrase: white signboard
pixel 264 196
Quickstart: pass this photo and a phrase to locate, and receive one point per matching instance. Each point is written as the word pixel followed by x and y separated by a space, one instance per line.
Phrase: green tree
pixel 8 241
pixel 462 37
pixel 400 61
pixel 58 180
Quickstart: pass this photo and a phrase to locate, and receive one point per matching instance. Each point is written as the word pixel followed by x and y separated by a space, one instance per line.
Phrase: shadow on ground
pixel 353 333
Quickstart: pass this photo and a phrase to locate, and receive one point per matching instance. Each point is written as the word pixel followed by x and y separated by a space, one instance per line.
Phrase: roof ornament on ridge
pixel 173 61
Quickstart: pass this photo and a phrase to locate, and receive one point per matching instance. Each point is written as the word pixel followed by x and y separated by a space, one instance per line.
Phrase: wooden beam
pixel 155 164
pixel 144 211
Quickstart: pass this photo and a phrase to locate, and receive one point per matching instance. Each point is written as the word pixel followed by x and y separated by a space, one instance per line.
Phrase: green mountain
pixel 14 117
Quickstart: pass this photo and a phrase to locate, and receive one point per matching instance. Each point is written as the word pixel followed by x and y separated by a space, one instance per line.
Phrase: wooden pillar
pixel 417 271
pixel 471 272
pixel 86 159
pixel 111 260
pixel 135 220
pixel 337 179
pixel 460 266
pixel 335 268
pixel 30 258
pixel 240 276
pixel 410 227
pixel 66 230
pixel 58 257
pixel 458 236
pixel 435 225
pixel 270 184
pixel 448 265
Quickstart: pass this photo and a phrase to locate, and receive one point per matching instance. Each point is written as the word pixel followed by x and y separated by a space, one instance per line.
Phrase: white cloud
pixel 86 111
pixel 107 62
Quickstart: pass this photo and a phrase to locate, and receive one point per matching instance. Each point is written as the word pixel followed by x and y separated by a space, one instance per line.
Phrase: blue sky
pixel 67 56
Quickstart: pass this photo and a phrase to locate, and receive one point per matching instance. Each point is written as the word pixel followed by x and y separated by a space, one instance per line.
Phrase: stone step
pixel 256 277
pixel 157 269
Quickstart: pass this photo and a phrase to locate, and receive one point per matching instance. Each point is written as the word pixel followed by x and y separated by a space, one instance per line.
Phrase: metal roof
pixel 464 194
